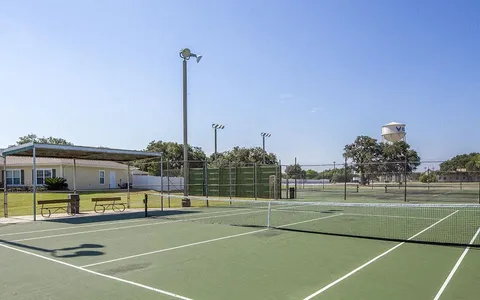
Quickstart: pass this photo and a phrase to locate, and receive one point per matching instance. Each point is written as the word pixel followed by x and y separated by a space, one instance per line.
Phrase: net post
pixel 205 179
pixel 161 182
pixel 145 201
pixel 268 214
pixel 479 190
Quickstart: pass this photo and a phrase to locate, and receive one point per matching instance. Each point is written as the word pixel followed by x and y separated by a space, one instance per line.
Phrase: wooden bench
pixel 46 206
pixel 107 202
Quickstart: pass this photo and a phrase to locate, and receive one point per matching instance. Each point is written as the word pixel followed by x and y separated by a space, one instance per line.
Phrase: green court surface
pixel 226 251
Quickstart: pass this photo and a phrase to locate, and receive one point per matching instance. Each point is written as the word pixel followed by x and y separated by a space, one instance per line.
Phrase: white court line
pixel 132 226
pixel 373 260
pixel 70 227
pixel 97 273
pixel 456 266
pixel 354 214
pixel 99 224
pixel 203 242
pixel 390 216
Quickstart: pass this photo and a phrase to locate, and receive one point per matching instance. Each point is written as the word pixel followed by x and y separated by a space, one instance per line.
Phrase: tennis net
pixel 448 224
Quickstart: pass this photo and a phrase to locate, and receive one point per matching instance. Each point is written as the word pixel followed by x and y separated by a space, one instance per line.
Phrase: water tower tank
pixel 393 132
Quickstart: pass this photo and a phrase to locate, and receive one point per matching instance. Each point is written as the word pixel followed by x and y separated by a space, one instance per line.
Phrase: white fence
pixel 155 183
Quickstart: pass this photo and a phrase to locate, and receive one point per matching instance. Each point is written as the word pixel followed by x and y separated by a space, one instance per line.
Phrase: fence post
pixel 405 180
pixel 255 180
pixel 275 184
pixel 345 179
pixel 168 182
pixel 230 180
pixel 296 175
pixel 428 178
pixel 205 179
pixel 288 186
pixel 161 182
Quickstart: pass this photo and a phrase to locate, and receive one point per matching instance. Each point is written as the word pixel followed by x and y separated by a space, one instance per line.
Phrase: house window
pixel 102 177
pixel 14 177
pixel 43 174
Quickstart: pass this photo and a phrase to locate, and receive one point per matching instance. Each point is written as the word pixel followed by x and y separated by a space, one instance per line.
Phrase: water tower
pixel 393 132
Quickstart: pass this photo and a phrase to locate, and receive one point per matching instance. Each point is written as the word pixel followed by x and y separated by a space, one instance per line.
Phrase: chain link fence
pixel 420 182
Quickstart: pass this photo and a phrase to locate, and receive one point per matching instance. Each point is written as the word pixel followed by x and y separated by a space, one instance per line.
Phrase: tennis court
pixel 247 249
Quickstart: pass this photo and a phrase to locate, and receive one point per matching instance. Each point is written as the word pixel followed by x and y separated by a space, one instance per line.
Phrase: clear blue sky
pixel 313 73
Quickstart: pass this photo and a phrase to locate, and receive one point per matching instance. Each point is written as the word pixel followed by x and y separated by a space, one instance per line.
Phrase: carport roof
pixel 78 152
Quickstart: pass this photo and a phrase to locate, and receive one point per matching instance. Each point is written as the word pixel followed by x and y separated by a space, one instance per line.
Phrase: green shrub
pixel 425 178
pixel 56 184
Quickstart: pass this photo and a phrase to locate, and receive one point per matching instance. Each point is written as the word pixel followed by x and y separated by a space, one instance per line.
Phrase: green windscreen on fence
pixel 245 182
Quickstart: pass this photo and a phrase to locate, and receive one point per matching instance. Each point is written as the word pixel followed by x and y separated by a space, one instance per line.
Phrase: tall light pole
pixel 185 54
pixel 264 134
pixel 215 128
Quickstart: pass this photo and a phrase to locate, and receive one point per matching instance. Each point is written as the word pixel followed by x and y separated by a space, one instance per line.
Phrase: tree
pixel 294 171
pixel 366 153
pixel 470 161
pixel 398 155
pixel 372 158
pixel 240 156
pixel 473 165
pixel 29 138
pixel 311 174
pixel 339 175
pixel 428 177
pixel 173 155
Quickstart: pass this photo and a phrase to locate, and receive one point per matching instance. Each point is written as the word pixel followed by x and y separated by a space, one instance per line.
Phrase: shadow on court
pixel 111 217
pixel 68 252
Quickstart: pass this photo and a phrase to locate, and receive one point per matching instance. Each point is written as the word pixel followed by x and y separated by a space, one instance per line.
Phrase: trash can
pixel 74 206
pixel 186 202
pixel 292 193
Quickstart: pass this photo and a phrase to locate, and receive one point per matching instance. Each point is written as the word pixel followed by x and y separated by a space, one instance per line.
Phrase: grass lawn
pixel 21 203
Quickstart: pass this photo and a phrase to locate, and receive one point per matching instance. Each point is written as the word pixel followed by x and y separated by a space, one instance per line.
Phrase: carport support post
pixel 34 179
pixel 74 176
pixel 128 185
pixel 5 195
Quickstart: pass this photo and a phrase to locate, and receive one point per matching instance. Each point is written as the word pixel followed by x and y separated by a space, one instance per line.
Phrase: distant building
pixel 459 175
pixel 90 174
